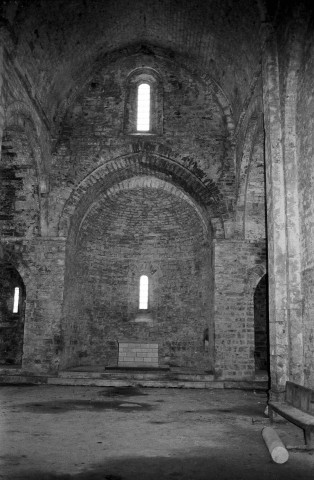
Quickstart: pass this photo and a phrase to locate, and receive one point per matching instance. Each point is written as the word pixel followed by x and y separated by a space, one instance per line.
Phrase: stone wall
pixel 115 237
pixel 92 134
pixel 234 306
pixel 255 205
pixel 40 262
pixel 18 186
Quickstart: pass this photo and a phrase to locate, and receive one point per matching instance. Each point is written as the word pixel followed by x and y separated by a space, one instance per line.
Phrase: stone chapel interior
pixel 156 188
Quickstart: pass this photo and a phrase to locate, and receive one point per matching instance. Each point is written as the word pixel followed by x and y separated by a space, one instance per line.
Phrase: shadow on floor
pixel 217 465
pixel 63 406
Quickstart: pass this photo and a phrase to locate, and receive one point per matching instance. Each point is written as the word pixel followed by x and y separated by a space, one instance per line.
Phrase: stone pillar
pixel 276 215
pixel 295 308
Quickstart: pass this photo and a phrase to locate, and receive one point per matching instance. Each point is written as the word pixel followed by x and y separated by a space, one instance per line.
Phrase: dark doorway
pixel 261 325
pixel 12 310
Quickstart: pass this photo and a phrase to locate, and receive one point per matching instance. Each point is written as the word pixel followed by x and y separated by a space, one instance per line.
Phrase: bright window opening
pixel 143 107
pixel 143 303
pixel 16 300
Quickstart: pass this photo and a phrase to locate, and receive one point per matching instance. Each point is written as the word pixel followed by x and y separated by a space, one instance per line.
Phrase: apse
pixel 138 232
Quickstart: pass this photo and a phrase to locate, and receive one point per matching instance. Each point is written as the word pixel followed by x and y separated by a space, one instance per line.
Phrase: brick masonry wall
pixel 234 307
pixel 40 262
pixel 103 269
pixel 194 130
pixel 133 233
pixel 18 186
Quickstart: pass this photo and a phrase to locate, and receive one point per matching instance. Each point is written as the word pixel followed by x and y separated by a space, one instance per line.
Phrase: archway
pixel 139 228
pixel 12 312
pixel 261 325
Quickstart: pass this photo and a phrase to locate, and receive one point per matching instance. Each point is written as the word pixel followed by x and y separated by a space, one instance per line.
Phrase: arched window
pixel 143 294
pixel 143 108
pixel 143 112
pixel 16 300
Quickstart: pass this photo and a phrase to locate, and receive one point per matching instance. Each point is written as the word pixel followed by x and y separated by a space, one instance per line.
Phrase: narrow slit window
pixel 143 108
pixel 143 300
pixel 16 300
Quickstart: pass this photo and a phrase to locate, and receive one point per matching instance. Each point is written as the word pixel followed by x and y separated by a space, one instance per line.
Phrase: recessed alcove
pixel 261 325
pixel 139 231
pixel 12 310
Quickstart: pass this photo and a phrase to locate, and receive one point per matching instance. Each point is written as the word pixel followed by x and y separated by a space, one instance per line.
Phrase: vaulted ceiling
pixel 58 43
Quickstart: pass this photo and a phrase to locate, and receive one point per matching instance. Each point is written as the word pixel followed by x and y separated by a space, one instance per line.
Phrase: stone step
pixel 4 370
pixel 154 378
pixel 137 375
pixel 127 382
pixel 20 379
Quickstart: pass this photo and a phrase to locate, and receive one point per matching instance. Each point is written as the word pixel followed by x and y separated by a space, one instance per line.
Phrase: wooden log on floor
pixel 276 448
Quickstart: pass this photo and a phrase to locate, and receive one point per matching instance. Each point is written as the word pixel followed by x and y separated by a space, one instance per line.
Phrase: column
pixel 276 215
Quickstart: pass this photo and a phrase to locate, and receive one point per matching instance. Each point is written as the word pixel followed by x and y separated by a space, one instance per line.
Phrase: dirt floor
pixel 94 433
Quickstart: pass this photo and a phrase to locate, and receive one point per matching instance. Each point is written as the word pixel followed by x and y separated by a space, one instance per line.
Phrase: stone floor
pixel 92 433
